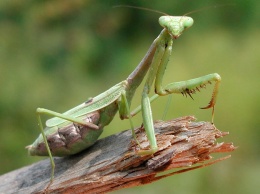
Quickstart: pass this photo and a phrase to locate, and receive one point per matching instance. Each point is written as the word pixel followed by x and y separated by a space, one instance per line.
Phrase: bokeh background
pixel 57 53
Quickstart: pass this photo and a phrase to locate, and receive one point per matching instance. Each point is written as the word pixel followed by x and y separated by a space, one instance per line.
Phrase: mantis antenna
pixel 141 8
pixel 160 12
pixel 208 7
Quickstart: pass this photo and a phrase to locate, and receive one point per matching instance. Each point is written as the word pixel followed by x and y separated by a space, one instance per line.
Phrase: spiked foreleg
pixel 189 87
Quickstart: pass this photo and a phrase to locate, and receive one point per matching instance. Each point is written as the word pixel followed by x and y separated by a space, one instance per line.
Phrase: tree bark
pixel 111 163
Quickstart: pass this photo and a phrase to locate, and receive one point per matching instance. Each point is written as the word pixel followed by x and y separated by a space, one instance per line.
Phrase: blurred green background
pixel 56 54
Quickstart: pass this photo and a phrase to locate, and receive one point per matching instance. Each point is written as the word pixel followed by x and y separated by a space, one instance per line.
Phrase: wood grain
pixel 112 164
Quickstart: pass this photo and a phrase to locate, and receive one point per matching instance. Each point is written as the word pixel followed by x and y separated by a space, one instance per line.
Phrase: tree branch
pixel 111 163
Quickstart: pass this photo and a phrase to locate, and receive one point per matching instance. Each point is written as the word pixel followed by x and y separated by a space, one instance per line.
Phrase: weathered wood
pixel 111 163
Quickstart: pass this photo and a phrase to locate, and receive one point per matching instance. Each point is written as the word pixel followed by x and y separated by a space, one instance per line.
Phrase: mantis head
pixel 175 25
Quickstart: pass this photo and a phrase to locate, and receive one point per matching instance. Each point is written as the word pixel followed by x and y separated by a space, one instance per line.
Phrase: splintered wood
pixel 112 164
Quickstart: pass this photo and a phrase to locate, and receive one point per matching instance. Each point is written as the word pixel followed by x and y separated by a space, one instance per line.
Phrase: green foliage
pixel 56 54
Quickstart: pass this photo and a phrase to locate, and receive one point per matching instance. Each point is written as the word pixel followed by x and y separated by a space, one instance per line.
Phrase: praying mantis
pixel 78 128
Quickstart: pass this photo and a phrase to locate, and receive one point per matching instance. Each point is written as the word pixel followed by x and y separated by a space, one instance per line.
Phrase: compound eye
pixel 187 22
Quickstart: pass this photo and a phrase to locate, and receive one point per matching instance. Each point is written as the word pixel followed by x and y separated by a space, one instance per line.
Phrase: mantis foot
pixel 146 152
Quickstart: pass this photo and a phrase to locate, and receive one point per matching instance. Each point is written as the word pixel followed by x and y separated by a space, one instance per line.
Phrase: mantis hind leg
pixel 47 146
pixel 40 111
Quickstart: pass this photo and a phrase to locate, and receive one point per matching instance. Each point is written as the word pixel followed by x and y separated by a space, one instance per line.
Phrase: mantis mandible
pixel 78 128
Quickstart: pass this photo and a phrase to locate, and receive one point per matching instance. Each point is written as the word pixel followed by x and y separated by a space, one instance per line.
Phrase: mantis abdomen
pixel 68 139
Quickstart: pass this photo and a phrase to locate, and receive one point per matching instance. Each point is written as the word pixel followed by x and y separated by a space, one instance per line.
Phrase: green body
pixel 92 116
